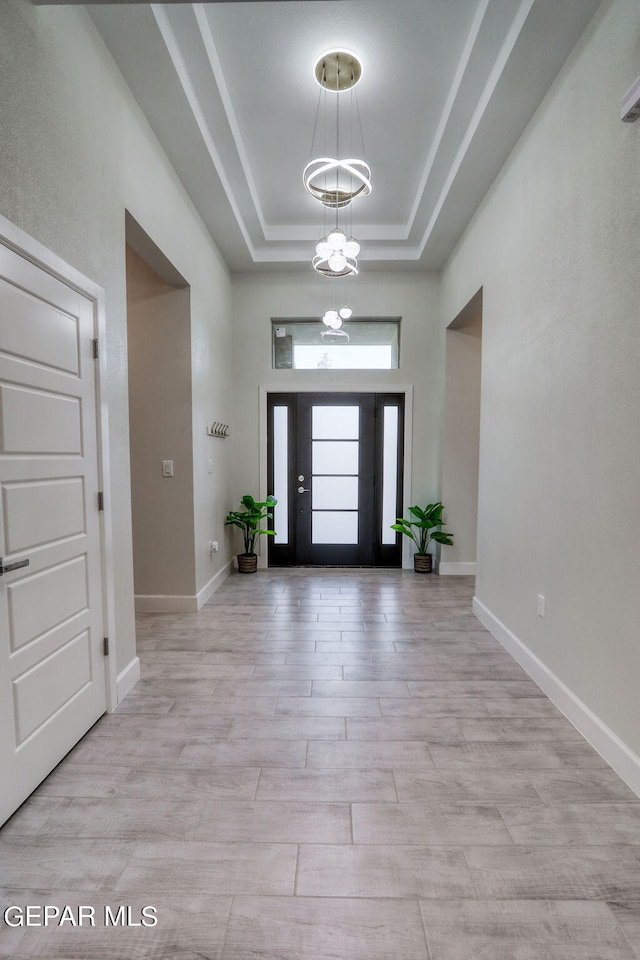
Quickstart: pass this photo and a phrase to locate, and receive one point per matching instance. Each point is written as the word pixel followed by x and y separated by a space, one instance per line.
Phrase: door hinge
pixel 96 349
pixel 105 646
pixel 100 500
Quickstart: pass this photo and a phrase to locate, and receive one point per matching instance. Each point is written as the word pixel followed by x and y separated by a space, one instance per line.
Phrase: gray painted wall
pixel 461 447
pixel 159 352
pixel 76 152
pixel 555 248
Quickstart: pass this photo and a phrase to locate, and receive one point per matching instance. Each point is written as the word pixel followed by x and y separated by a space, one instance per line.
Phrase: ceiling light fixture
pixel 332 319
pixel 336 255
pixel 335 266
pixel 334 336
pixel 335 182
pixel 318 173
pixel 335 318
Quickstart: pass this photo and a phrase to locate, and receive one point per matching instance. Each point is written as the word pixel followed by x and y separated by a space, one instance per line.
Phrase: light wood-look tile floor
pixel 330 765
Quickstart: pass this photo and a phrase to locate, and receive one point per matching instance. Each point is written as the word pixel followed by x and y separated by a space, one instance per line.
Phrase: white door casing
pixel 52 666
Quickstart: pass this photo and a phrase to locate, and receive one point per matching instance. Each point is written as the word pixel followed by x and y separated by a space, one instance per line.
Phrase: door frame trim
pixel 25 246
pixel 371 387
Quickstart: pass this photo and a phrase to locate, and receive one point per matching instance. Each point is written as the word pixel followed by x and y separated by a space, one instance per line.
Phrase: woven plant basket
pixel 422 562
pixel 247 562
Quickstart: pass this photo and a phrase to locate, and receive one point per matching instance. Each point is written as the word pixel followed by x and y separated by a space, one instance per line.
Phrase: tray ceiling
pixel 447 89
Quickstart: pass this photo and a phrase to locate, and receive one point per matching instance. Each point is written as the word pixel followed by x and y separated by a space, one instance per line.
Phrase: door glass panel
pixel 335 423
pixel 335 493
pixel 334 527
pixel 389 473
pixel 335 458
pixel 281 473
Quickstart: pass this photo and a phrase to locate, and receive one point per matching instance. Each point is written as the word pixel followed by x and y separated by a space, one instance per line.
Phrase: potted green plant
pixel 422 531
pixel 249 520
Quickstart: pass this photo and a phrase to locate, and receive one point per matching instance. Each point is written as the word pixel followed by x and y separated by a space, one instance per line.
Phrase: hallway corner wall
pixel 461 442
pixel 160 408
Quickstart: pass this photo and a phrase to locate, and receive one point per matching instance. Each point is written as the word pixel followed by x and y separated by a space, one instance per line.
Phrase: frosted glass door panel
pixel 389 473
pixel 334 527
pixel 335 493
pixel 335 459
pixel 281 473
pixel 335 432
pixel 335 423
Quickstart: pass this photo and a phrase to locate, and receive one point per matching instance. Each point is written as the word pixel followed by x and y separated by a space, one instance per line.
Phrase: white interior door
pixel 52 672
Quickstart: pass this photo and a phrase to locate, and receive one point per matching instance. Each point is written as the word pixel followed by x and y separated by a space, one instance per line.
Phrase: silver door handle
pixel 304 490
pixel 8 567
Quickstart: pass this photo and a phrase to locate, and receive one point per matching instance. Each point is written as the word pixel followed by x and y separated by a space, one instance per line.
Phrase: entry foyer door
pixel 52 673
pixel 335 466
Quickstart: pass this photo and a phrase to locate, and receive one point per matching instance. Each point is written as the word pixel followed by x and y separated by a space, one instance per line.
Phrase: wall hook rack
pixel 217 429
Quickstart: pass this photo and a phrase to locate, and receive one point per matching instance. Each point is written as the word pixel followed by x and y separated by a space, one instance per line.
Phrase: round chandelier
pixel 336 255
pixel 335 183
pixel 334 336
pixel 334 318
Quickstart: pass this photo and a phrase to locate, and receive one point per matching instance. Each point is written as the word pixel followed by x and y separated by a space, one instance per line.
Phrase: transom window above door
pixel 362 344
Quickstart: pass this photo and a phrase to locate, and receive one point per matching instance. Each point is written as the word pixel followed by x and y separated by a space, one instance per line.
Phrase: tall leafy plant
pixel 249 519
pixel 423 527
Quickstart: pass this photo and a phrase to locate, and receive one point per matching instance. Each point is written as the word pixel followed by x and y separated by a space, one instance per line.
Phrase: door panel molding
pixel 53 266
pixel 59 287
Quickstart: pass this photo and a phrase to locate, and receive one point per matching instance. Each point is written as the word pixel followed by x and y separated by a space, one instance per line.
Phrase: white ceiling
pixel 447 88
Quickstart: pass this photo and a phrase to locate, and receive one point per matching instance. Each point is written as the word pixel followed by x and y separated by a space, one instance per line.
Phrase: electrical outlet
pixel 540 605
pixel 213 547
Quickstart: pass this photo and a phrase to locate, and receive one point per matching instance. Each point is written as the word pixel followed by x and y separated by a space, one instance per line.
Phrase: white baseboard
pixel 457 569
pixel 126 681
pixel 165 603
pixel 611 748
pixel 214 584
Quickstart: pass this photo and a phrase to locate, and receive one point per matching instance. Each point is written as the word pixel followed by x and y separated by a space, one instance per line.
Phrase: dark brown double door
pixel 335 465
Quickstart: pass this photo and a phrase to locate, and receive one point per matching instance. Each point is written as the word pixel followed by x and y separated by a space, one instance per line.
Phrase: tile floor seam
pixel 506 825
pixel 395 785
pixel 294 892
pixel 635 949
pixel 226 927
pixel 199 823
pixel 471 874
pixel 426 930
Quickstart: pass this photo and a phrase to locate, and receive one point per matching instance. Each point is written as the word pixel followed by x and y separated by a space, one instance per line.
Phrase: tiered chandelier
pixel 335 181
